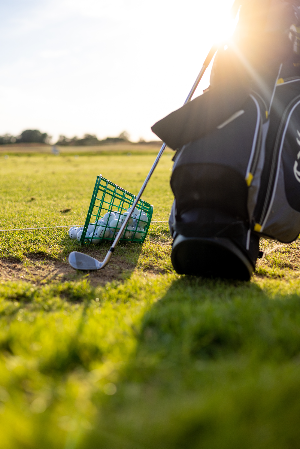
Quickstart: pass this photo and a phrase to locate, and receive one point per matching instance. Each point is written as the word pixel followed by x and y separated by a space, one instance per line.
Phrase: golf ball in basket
pixel 90 228
pixel 79 234
pixel 139 234
pixel 98 234
pixel 119 224
pixel 123 218
pixel 108 233
pixel 114 218
pixel 108 217
pixel 129 232
pixel 113 223
pixel 143 220
pixel 136 213
pixel 117 214
pixel 144 217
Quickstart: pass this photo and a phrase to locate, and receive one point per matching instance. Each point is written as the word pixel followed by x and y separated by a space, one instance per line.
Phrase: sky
pixel 101 67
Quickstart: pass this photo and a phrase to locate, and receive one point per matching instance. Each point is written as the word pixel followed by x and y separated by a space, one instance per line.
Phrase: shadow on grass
pixel 216 366
pixel 74 353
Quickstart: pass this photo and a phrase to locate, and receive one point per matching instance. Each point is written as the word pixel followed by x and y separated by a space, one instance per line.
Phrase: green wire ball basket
pixel 108 209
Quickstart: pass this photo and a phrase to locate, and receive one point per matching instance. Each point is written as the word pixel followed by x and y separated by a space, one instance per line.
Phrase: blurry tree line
pixel 35 136
pixel 91 139
pixel 27 136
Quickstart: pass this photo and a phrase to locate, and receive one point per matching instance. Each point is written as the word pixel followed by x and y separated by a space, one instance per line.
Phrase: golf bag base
pixel 213 257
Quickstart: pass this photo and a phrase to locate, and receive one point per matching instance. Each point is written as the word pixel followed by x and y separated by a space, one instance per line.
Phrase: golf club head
pixel 80 261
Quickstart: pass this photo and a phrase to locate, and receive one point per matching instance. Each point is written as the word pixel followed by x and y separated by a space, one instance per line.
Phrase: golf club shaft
pixel 189 97
pixel 201 73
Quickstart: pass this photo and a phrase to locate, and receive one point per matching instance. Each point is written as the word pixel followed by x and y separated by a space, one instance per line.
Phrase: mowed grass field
pixel 135 356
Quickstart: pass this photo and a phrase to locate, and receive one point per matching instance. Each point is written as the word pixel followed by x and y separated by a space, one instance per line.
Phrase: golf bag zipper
pixel 254 156
pixel 270 192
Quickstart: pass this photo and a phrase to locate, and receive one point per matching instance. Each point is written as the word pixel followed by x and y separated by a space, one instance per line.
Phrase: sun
pixel 221 21
pixel 225 27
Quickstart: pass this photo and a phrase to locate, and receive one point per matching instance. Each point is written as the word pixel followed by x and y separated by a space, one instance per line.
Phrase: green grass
pixel 135 356
pixel 35 190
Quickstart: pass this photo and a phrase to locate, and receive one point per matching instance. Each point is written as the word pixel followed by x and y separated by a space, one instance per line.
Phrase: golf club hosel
pixel 107 258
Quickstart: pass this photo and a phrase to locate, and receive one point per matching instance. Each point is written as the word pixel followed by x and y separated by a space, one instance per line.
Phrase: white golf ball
pixel 98 234
pixel 79 234
pixel 117 214
pixel 139 234
pixel 123 218
pixel 113 223
pixel 108 217
pixel 108 233
pixel 142 222
pixel 135 223
pixel 136 213
pixel 113 219
pixel 144 217
pixel 73 233
pixel 130 232
pixel 91 227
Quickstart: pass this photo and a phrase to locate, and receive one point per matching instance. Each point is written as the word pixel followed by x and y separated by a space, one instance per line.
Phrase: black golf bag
pixel 237 182
pixel 216 182
pixel 236 175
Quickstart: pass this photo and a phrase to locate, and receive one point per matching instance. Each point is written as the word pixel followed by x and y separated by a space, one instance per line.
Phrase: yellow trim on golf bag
pixel 257 228
pixel 249 179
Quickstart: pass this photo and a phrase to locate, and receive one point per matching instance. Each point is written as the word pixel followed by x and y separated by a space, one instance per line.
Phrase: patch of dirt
pixel 65 211
pixel 12 260
pixel 39 255
pixel 39 270
pixel 280 255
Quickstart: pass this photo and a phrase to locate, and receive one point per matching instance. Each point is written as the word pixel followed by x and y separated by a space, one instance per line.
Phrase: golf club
pixel 80 261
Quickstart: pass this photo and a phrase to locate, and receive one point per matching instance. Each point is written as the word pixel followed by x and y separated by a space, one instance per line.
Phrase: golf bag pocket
pixel 277 212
